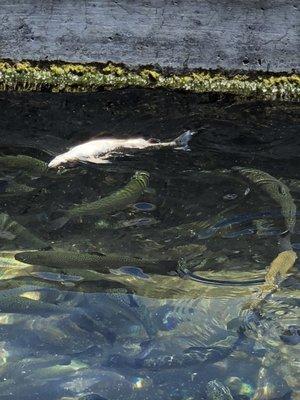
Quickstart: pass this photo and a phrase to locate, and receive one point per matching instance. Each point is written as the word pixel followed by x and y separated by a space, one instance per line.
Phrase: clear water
pixel 131 334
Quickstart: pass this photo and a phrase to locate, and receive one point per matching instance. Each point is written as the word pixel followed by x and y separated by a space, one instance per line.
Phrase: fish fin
pixel 183 140
pixel 58 223
pixel 136 272
pixel 98 160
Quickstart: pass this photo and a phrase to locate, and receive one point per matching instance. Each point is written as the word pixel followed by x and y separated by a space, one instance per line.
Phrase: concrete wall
pixel 184 34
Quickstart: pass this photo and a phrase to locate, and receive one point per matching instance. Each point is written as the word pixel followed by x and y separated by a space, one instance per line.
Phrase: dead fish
pixel 23 163
pixel 277 190
pixel 117 201
pixel 95 261
pixel 99 151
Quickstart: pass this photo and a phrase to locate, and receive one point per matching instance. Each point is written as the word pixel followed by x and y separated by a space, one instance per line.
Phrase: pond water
pixel 106 314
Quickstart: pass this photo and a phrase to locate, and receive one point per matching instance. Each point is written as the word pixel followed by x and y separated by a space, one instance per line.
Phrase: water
pixel 77 333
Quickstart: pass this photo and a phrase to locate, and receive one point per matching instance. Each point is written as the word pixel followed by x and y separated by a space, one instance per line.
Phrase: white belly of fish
pixel 97 151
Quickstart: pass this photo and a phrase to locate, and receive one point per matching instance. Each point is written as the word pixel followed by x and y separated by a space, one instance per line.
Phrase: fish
pixel 9 188
pixel 23 163
pixel 275 274
pixel 56 370
pixel 99 151
pixel 277 190
pixel 41 301
pixel 116 201
pixel 7 235
pixel 12 230
pixel 17 302
pixel 280 266
pixel 216 390
pixel 138 222
pixel 95 261
pixel 124 306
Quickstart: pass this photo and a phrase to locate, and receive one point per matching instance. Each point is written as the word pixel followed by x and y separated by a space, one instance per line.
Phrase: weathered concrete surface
pixel 184 34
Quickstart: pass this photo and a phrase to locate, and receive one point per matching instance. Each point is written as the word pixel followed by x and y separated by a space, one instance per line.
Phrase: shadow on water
pixel 115 321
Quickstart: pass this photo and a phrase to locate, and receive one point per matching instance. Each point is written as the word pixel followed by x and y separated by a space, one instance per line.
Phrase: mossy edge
pixel 67 77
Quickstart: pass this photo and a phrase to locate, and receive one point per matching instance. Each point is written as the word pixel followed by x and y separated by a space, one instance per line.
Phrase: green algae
pixel 65 77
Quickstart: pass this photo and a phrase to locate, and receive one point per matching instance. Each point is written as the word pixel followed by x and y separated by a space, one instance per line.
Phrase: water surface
pixel 70 333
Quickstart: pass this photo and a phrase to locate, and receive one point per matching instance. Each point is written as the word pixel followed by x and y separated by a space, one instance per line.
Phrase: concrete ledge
pixel 258 35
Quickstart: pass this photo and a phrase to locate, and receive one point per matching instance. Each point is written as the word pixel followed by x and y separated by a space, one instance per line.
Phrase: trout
pixel 23 163
pixel 9 188
pixel 11 230
pixel 99 151
pixel 95 261
pixel 117 201
pixel 277 190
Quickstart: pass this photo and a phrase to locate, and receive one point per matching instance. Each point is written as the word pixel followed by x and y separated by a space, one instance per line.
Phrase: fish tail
pixel 182 142
pixel 58 223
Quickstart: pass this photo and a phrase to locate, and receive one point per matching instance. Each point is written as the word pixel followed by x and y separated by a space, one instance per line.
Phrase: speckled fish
pixel 99 151
pixel 138 222
pixel 277 190
pixel 24 366
pixel 117 201
pixel 216 390
pixel 276 272
pixel 11 230
pixel 9 188
pixel 23 163
pixel 280 266
pixel 35 300
pixel 12 301
pixel 99 262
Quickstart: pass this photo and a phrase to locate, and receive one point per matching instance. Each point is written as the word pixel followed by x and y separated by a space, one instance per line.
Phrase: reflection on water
pixel 100 311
